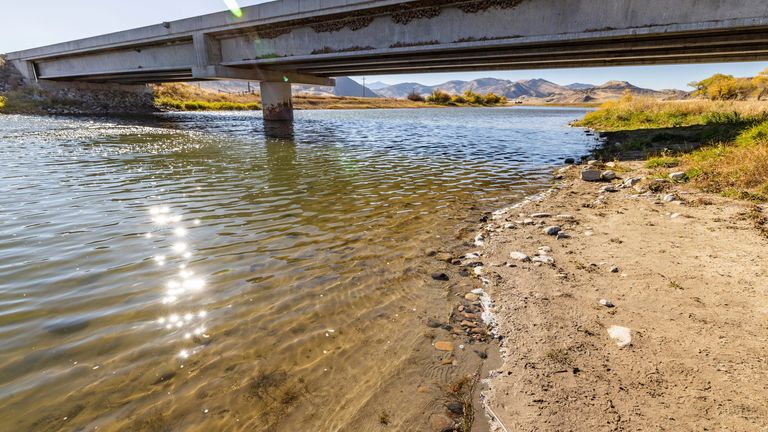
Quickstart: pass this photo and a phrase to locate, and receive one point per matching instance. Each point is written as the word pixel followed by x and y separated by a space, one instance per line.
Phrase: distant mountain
pixel 345 86
pixel 529 91
pixel 402 90
pixel 579 86
pixel 533 90
pixel 377 85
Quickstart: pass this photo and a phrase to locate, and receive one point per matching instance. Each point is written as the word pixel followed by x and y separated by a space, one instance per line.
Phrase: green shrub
pixel 662 162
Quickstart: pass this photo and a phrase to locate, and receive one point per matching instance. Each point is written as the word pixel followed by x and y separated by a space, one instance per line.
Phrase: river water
pixel 198 272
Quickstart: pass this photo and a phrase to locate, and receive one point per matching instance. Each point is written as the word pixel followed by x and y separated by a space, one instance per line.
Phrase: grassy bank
pixel 186 97
pixel 722 146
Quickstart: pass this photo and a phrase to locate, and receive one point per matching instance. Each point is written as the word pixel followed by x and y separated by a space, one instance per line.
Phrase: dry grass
pixel 632 113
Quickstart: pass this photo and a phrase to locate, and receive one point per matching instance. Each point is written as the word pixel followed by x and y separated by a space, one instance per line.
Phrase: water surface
pixel 187 272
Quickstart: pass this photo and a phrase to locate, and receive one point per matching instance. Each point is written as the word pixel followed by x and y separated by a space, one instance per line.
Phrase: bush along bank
pixel 468 98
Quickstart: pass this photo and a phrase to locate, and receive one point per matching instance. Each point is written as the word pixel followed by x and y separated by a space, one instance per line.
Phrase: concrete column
pixel 276 100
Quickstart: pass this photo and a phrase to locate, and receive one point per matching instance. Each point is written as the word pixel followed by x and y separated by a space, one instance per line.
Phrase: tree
pixel 439 97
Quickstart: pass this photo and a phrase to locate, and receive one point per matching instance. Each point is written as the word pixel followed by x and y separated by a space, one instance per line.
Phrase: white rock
pixel 478 270
pixel 669 198
pixel 552 230
pixel 541 215
pixel 608 175
pixel 519 256
pixel 632 181
pixel 544 250
pixel 607 303
pixel 565 217
pixel 544 259
pixel 621 335
pixel 591 162
pixel 589 233
pixel 528 222
pixel 677 176
pixel 510 226
pixel 590 175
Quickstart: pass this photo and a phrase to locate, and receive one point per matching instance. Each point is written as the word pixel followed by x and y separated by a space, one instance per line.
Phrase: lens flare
pixel 234 8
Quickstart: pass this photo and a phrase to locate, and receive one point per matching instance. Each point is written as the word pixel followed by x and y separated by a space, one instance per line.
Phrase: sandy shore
pixel 685 273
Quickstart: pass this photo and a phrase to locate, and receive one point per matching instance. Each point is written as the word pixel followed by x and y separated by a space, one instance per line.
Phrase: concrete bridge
pixel 309 41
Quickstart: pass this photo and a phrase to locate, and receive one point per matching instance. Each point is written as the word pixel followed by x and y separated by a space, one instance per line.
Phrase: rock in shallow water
pixel 444 346
pixel 440 277
pixel 65 326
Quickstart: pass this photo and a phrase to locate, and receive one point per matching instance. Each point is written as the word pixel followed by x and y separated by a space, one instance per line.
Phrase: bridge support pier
pixel 276 100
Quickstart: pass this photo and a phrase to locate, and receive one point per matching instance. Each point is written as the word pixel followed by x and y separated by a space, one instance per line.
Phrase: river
pixel 194 271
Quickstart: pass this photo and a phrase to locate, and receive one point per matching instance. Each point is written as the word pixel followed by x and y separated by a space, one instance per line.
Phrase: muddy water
pixel 196 272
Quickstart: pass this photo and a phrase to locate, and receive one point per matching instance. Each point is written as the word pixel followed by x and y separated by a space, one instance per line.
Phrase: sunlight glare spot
pixel 234 8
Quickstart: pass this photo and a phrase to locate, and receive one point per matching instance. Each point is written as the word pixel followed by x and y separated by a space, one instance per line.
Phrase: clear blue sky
pixel 31 23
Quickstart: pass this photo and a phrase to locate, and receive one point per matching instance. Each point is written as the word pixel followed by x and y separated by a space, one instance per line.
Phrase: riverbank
pixel 646 308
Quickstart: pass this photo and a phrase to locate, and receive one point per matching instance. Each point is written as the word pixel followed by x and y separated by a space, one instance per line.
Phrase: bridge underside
pixel 308 42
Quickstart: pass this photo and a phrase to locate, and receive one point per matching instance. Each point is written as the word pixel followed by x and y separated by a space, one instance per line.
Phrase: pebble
pixel 614 269
pixel 519 256
pixel 541 215
pixel 590 175
pixel 544 259
pixel 591 162
pixel 610 164
pixel 565 217
pixel 527 221
pixel 552 230
pixel 471 297
pixel 440 423
pixel 608 175
pixel 444 256
pixel 563 235
pixel 589 233
pixel 609 188
pixel 669 198
pixel 631 181
pixel 510 226
pixel 677 176
pixel 544 250
pixel 440 276
pixel 570 161
pixel 444 346
pixel 607 303
pixel 470 324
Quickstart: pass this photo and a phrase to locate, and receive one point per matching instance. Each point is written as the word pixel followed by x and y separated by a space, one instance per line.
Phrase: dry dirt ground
pixel 689 278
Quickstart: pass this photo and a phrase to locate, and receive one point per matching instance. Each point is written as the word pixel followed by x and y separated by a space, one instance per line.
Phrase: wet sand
pixel 682 272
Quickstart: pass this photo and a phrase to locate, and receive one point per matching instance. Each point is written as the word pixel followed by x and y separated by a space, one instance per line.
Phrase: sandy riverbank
pixel 686 274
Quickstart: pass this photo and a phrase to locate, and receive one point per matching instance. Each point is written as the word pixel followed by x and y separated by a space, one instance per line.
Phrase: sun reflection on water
pixel 188 325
